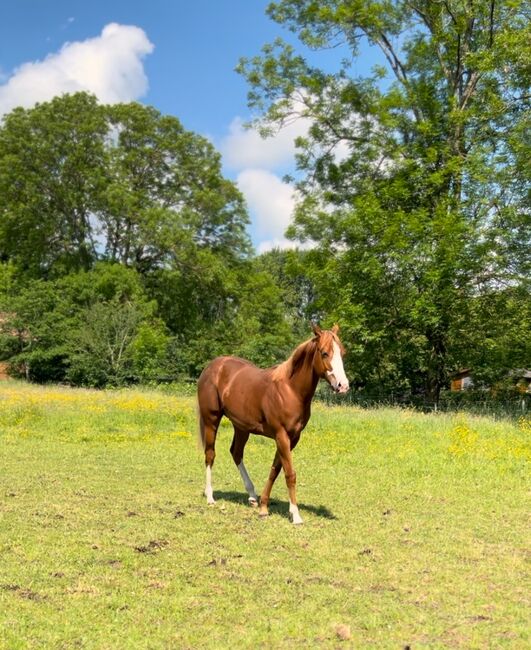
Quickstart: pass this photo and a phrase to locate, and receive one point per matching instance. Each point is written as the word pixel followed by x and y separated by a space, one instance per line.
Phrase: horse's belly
pixel 244 420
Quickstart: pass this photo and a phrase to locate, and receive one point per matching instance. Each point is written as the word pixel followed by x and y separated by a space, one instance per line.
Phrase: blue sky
pixel 178 56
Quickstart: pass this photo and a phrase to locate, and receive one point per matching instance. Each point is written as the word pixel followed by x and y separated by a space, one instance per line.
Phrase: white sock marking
pixel 294 512
pixel 247 482
pixel 209 493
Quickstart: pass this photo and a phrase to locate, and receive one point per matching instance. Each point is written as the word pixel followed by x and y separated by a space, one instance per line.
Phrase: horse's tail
pixel 200 430
pixel 201 396
pixel 209 410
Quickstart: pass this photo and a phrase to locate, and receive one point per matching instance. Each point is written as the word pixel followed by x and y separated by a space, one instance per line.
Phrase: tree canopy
pixel 125 251
pixel 82 182
pixel 413 178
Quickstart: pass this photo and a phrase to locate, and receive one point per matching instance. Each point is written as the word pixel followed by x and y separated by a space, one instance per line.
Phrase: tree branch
pixel 469 89
pixel 429 24
pixel 454 20
pixel 397 66
pixel 491 24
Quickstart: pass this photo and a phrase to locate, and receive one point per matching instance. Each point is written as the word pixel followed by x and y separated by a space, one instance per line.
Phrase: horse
pixel 273 402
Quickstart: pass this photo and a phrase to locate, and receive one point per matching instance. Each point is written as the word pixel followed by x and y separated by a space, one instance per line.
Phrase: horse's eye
pixel 324 355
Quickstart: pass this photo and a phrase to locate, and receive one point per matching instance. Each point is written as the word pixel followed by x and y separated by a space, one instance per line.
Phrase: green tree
pixel 150 353
pixel 425 210
pixel 52 172
pixel 101 352
pixel 166 198
pixel 288 270
pixel 35 330
pixel 252 321
pixel 94 328
pixel 81 182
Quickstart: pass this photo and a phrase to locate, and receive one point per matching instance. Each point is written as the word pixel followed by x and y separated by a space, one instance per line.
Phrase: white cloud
pixel 270 200
pixel 109 65
pixel 245 148
pixel 259 163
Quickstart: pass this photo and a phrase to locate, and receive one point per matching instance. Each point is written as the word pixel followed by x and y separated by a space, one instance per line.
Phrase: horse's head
pixel 328 358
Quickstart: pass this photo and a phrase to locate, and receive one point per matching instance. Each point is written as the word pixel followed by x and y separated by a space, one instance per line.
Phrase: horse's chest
pixel 294 421
pixel 299 425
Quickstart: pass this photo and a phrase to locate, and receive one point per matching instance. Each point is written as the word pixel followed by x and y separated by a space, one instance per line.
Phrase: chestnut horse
pixel 274 402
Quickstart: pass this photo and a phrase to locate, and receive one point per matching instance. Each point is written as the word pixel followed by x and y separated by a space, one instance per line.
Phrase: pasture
pixel 415 529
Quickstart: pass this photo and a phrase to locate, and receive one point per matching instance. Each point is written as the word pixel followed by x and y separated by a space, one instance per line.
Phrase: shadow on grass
pixel 275 506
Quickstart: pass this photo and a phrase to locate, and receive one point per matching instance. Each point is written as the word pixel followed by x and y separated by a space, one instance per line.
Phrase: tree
pixel 52 173
pixel 287 269
pixel 34 330
pixel 252 321
pixel 166 198
pixel 93 328
pixel 426 210
pixel 81 182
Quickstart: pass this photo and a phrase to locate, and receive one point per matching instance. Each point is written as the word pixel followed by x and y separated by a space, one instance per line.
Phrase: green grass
pixel 415 529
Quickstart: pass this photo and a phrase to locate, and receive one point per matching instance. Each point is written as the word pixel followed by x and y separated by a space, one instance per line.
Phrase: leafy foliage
pixel 126 256
pixel 413 184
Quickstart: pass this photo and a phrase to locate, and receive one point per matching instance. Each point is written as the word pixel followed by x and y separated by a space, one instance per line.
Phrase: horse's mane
pixel 287 369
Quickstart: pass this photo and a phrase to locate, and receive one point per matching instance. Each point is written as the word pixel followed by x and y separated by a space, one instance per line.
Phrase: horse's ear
pixel 316 329
pixel 335 329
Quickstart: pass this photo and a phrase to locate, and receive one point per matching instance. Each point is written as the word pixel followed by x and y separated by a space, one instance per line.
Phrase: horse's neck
pixel 304 380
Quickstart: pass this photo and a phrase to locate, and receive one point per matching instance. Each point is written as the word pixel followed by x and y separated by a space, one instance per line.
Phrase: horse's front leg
pixel 284 447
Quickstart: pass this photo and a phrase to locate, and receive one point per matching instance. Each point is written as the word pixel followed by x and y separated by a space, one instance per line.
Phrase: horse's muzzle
pixel 342 388
pixel 339 387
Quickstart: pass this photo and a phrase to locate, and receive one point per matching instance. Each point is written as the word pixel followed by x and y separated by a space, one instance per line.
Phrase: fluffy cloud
pixel 245 148
pixel 260 162
pixel 270 202
pixel 109 65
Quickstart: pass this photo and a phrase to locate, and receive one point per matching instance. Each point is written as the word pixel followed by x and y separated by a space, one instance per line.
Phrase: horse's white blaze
pixel 294 512
pixel 337 374
pixel 247 482
pixel 209 493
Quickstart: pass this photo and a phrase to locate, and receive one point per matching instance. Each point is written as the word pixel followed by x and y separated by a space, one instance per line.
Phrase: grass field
pixel 416 529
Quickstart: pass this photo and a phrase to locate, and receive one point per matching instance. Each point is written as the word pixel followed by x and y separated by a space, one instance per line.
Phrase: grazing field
pixel 416 529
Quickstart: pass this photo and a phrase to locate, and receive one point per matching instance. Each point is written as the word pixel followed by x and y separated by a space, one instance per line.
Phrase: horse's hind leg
pixel 208 434
pixel 210 414
pixel 236 449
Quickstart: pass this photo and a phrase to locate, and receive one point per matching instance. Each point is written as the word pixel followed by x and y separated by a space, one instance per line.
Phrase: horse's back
pixel 223 372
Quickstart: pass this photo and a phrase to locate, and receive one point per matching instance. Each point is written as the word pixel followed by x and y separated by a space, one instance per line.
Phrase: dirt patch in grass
pixel 154 546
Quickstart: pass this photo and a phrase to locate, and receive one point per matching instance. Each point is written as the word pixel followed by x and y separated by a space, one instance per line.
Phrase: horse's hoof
pixel 211 502
pixel 253 502
pixel 263 514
